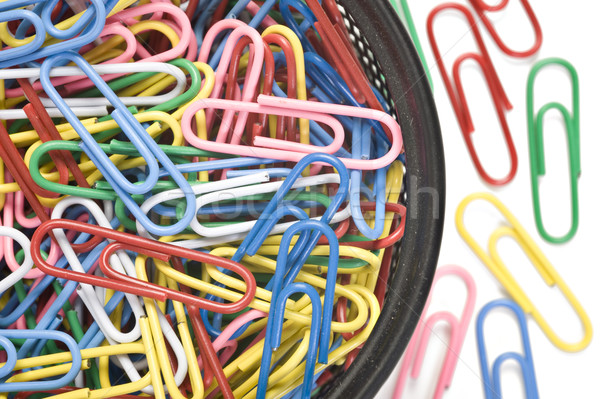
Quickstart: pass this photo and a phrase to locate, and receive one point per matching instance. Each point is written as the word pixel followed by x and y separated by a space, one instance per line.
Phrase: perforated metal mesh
pixel 366 57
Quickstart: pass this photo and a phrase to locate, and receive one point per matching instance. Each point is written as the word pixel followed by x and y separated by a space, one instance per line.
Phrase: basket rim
pixel 425 179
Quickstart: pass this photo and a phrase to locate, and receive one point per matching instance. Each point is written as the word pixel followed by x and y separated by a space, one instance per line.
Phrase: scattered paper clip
pixel 491 383
pixel 415 352
pixel 495 264
pixel 457 95
pixel 481 7
pixel 537 159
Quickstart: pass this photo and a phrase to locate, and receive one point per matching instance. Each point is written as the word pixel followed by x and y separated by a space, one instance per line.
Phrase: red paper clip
pixel 392 238
pixel 131 285
pixel 457 95
pixel 481 7
pixel 44 126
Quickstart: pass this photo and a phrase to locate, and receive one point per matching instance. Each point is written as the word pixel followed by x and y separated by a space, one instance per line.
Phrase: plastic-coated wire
pixel 14 53
pixel 415 352
pixel 537 159
pixel 296 108
pixel 481 7
pixel 25 266
pixel 282 269
pixel 457 95
pixel 273 337
pixel 143 142
pixel 494 262
pixel 72 370
pixel 121 282
pixel 231 230
pixel 88 34
pixel 492 386
pixel 65 163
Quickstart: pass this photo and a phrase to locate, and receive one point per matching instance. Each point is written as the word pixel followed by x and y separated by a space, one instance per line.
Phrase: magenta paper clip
pixel 415 351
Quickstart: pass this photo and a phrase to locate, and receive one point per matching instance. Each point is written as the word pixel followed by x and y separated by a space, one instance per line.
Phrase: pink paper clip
pixel 253 72
pixel 417 346
pixel 289 151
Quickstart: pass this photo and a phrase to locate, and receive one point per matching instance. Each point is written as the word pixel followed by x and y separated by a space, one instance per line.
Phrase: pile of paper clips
pixel 203 193
pixel 520 304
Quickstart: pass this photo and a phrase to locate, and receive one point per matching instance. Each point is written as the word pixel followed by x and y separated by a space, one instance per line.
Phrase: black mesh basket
pixel 393 66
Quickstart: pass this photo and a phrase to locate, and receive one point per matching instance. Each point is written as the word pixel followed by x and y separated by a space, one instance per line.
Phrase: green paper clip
pixel 535 124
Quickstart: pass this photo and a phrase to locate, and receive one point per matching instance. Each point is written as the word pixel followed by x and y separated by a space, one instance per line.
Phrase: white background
pixel 571 31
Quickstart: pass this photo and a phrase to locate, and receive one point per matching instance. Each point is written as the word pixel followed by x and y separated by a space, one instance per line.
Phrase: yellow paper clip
pixel 495 264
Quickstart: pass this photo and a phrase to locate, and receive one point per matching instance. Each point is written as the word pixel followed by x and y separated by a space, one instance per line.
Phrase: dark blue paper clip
pixel 280 287
pixel 143 142
pixel 492 386
pixel 274 339
pixel 271 214
pixel 283 263
pixel 285 8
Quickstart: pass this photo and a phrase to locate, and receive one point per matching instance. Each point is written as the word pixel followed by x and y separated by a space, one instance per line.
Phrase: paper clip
pixel 279 289
pixel 275 337
pixel 119 351
pixel 69 373
pixel 491 384
pixel 77 83
pixel 535 124
pixel 415 352
pixel 253 73
pixel 121 282
pixel 240 192
pixel 19 171
pixel 495 264
pixel 282 150
pixel 457 95
pixel 33 45
pixel 208 352
pixel 481 7
pixel 147 147
pixel 93 19
pixel 42 123
pixel 339 48
pixel 34 73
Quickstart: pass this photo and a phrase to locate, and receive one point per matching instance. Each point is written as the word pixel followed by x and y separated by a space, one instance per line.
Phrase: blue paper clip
pixel 273 338
pixel 285 7
pixel 14 4
pixel 6 55
pixel 272 214
pixel 76 362
pixel 283 261
pixel 492 386
pixel 93 19
pixel 88 16
pixel 146 146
